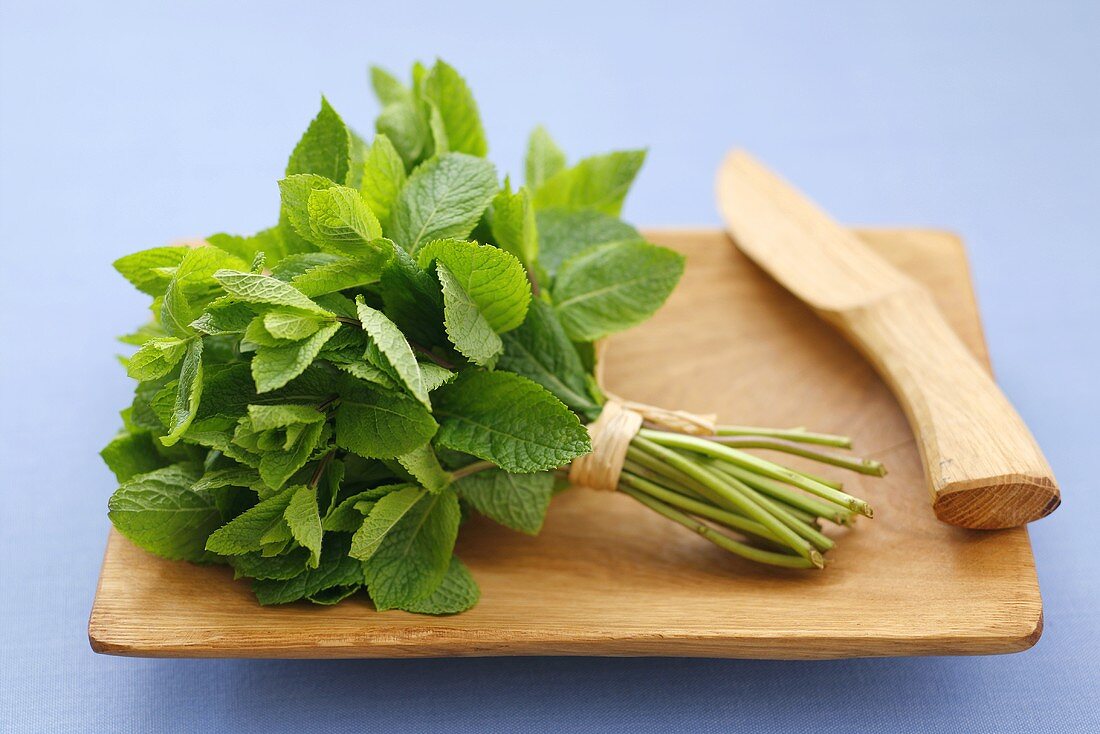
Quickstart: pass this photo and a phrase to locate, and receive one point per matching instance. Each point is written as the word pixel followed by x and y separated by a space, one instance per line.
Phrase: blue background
pixel 125 126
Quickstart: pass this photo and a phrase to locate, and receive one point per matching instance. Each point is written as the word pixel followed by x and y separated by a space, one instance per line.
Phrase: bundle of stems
pixel 709 483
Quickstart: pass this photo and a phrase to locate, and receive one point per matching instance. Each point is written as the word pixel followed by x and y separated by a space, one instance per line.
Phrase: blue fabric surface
pixel 128 125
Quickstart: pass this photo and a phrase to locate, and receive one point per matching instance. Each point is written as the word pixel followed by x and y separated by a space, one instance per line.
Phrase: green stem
pixel 805 530
pixel 727 494
pixel 861 466
pixel 723 541
pixel 695 507
pixel 777 490
pixel 754 463
pixel 473 468
pixel 799 435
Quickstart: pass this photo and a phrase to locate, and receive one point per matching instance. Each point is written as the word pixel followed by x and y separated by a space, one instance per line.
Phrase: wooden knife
pixel 982 465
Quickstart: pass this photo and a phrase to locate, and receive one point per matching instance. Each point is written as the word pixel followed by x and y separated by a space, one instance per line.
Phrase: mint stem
pixel 800 435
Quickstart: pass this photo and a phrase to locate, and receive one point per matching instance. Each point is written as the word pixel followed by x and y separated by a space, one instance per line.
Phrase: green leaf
pixel 130 454
pixel 600 182
pixel 387 87
pixel 304 519
pixel 541 351
pixel 377 424
pixel 612 287
pixel 456 593
pixel 292 325
pixel 517 501
pixel 492 278
pixel 544 158
pixel 435 376
pixel 188 393
pixel 269 241
pixel 324 149
pixel 294 192
pixel 444 197
pixel 413 300
pixel 256 288
pixel 423 465
pixel 395 349
pixel 156 358
pixel 564 233
pixel 466 325
pixel 383 177
pixel 344 273
pixel 279 568
pixel 285 436
pixel 447 91
pixel 383 518
pixel 274 367
pixel 147 269
pixel 510 421
pixel 348 516
pixel 193 286
pixel 512 222
pixel 341 221
pixel 336 571
pixel 159 512
pixel 224 316
pixel 250 530
pixel 412 558
pixel 406 129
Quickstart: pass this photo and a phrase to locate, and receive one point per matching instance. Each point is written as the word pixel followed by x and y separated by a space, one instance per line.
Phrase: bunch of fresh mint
pixel 320 405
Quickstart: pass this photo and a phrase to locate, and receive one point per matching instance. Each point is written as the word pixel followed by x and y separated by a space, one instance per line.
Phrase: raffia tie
pixel 615 428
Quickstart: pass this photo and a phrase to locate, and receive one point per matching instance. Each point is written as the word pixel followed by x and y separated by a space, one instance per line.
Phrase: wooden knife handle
pixel 982 465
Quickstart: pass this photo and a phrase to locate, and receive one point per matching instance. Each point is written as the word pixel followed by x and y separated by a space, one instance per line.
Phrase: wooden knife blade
pixel 982 465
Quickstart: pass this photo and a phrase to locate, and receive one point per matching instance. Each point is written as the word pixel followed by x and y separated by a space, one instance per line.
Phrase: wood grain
pixel 608 577
pixel 983 468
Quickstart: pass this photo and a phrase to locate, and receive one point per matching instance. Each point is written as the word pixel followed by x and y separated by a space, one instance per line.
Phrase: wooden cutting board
pixel 608 577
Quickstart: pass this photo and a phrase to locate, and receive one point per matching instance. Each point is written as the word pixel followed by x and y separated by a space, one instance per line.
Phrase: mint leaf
pixel 292 325
pixel 564 233
pixel 612 287
pixel 147 270
pixel 456 593
pixel 279 568
pixel 193 286
pixel 377 424
pixel 444 197
pixel 435 376
pixel 344 273
pixel 466 325
pixel 156 358
pixel 269 241
pixel 348 516
pixel 341 221
pixel 600 182
pixel 510 421
pixel 382 178
pixel 544 158
pixel 130 454
pixel 188 393
pixel 384 517
pixel 395 350
pixel 458 113
pixel 406 130
pixel 413 300
pixel 413 556
pixel 159 512
pixel 387 87
pixel 256 288
pixel 336 571
pixel 541 351
pixel 517 501
pixel 512 222
pixel 304 520
pixel 274 367
pixel 493 279
pixel 422 465
pixel 324 149
pixel 254 528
